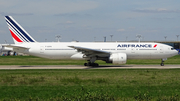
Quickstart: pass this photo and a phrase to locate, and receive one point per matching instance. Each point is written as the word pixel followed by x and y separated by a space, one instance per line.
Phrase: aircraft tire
pixel 162 64
pixel 85 64
pixel 91 64
pixel 96 64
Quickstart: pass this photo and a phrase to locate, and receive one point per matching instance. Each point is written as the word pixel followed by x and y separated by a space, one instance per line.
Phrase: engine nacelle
pixel 118 58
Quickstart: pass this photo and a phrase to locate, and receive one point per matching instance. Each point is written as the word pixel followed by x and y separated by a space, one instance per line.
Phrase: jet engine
pixel 118 58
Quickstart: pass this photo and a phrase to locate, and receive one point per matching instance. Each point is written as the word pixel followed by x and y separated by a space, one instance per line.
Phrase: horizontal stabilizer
pixel 14 46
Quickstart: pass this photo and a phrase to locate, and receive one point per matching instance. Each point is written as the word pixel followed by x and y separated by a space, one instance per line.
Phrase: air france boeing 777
pixel 110 52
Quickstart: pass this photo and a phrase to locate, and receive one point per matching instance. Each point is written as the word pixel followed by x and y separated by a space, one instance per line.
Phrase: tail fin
pixel 18 33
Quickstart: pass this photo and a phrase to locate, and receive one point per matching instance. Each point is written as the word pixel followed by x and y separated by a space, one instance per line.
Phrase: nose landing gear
pixel 162 64
pixel 162 61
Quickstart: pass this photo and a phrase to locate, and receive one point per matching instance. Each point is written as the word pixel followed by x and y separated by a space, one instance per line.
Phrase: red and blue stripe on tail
pixel 18 33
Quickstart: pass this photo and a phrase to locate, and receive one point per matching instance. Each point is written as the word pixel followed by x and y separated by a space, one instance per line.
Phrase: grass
pixel 172 60
pixel 88 84
pixel 32 60
pixel 114 84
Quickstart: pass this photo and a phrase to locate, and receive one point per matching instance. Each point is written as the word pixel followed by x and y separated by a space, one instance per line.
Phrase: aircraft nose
pixel 174 52
pixel 177 52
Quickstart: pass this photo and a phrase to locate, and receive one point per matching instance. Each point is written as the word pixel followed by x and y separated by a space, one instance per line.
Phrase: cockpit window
pixel 172 48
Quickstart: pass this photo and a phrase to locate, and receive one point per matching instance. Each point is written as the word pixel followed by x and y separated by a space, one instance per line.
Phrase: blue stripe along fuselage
pixel 19 29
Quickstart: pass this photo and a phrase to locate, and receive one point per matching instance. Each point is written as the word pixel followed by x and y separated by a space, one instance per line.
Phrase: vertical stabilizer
pixel 18 33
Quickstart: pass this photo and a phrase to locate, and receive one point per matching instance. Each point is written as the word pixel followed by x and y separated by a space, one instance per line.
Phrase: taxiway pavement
pixel 83 67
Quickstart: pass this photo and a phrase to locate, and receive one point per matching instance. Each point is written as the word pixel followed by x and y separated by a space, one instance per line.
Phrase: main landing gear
pixel 91 62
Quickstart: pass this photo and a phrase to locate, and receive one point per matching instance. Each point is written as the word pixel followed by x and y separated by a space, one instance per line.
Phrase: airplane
pixel 5 49
pixel 110 52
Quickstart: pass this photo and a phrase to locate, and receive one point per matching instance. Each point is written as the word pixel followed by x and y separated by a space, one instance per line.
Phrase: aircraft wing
pixel 91 52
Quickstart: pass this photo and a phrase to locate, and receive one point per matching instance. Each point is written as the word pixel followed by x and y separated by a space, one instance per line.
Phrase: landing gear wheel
pixel 95 65
pixel 91 64
pixel 85 64
pixel 162 64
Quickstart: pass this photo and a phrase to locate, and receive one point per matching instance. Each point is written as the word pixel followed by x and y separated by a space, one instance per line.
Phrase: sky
pixel 92 20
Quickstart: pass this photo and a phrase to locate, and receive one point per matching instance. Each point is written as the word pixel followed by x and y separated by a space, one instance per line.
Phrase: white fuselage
pixel 111 52
pixel 61 50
